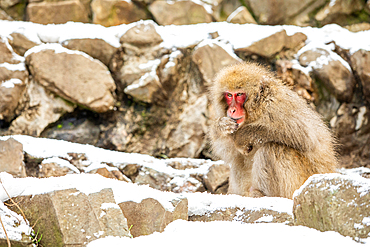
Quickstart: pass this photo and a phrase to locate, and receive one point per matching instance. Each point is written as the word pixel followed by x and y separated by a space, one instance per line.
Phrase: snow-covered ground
pixel 179 233
pixel 225 233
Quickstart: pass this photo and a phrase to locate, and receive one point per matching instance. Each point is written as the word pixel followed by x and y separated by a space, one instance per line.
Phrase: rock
pixel 40 108
pixel 57 12
pixel 306 16
pixel 332 71
pixel 18 231
pixel 69 217
pixel 333 202
pixel 5 16
pixel 241 16
pixel 85 132
pixel 358 27
pixel 216 177
pixel 114 174
pixel 335 12
pixel 207 207
pixel 20 43
pixel 277 12
pixel 11 158
pixel 116 12
pixel 179 13
pixel 350 126
pixel 56 167
pixel 222 9
pixel 361 65
pixel 96 48
pixel 13 80
pixel 187 138
pixel 112 222
pixel 88 82
pixel 7 55
pixel 210 58
pixel 297 78
pixel 150 216
pixel 273 44
pixel 142 34
pixel 145 88
pixel 155 179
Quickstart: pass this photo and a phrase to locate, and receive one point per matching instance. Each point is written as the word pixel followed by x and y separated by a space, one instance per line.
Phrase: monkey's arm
pixel 286 120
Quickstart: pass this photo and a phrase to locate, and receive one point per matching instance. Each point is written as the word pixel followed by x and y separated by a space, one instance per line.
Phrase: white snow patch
pixel 14 67
pixel 224 233
pixel 60 162
pixel 202 203
pixel 265 218
pixel 14 224
pixel 10 83
pixel 57 48
pixel 105 206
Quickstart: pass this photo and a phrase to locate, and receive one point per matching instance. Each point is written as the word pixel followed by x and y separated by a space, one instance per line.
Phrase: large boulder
pixel 277 12
pixel 116 12
pixel 333 202
pixel 57 12
pixel 73 76
pixel 70 217
pixel 331 70
pixel 273 44
pixel 179 13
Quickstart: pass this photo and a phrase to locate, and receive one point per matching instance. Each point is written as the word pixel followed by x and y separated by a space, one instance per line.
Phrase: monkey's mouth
pixel 238 120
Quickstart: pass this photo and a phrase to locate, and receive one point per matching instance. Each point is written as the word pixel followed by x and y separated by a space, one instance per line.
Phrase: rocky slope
pixel 142 87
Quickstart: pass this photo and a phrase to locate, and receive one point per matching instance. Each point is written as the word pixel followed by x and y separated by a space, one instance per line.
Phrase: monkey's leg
pixel 279 170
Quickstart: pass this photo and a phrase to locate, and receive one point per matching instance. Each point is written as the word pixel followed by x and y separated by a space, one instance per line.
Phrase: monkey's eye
pixel 228 95
pixel 239 94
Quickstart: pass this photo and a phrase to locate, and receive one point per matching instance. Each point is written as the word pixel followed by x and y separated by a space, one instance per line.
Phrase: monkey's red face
pixel 235 101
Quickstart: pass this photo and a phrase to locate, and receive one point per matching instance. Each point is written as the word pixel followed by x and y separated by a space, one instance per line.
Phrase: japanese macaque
pixel 270 137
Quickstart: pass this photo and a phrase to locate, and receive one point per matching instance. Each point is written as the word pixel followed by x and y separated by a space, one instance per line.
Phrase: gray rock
pixel 73 76
pixel 333 202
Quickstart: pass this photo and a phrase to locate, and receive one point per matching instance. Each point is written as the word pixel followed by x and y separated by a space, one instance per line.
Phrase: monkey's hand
pixel 227 125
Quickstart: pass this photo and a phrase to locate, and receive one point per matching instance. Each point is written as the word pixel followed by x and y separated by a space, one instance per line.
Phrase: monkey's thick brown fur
pixel 280 144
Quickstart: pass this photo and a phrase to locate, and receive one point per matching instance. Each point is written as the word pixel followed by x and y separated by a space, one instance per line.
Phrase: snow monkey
pixel 270 137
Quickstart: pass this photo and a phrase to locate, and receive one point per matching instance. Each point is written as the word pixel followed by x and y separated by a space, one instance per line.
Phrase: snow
pixel 14 67
pixel 221 233
pixel 10 83
pixel 14 224
pixel 201 203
